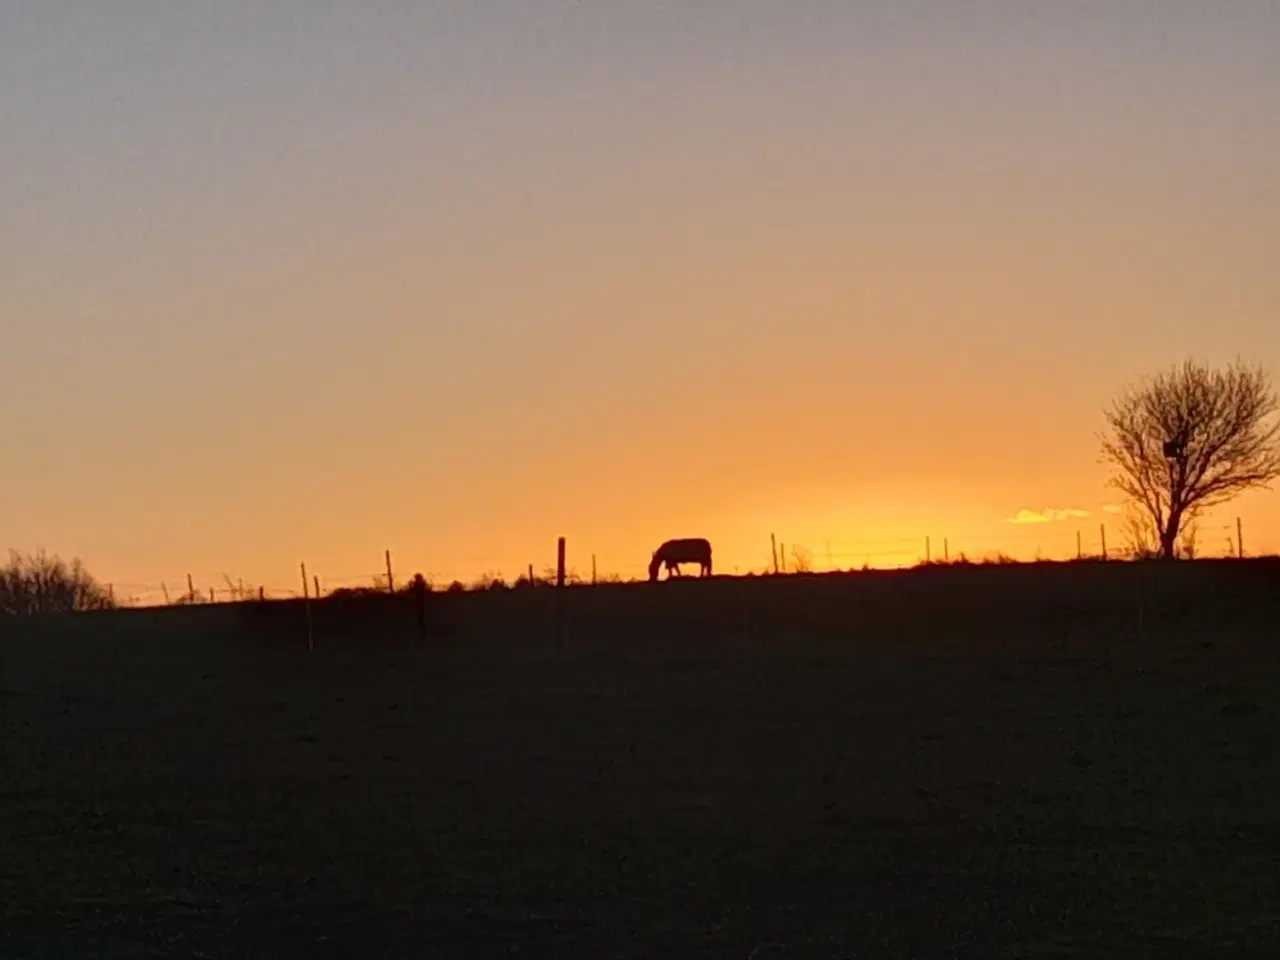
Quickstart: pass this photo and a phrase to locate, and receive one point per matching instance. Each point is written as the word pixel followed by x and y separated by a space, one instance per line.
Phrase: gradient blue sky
pixel 306 280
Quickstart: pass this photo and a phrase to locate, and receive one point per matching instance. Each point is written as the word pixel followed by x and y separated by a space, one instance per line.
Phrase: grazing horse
pixel 675 552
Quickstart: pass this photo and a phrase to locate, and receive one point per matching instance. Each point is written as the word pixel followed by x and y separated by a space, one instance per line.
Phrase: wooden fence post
pixel 773 546
pixel 1104 540
pixel 391 584
pixel 1239 540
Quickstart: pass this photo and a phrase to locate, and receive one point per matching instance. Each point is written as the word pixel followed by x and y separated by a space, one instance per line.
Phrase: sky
pixel 311 280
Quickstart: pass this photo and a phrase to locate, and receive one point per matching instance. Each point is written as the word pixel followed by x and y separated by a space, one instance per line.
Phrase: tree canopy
pixel 1191 438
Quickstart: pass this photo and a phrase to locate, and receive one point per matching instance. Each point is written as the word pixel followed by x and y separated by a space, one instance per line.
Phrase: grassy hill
pixel 1048 760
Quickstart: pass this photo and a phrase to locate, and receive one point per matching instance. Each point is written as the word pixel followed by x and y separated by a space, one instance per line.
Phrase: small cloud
pixel 1047 515
pixel 1027 516
pixel 1112 508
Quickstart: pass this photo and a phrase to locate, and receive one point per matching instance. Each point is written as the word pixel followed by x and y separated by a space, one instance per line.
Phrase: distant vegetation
pixel 39 583
pixel 996 559
pixel 415 583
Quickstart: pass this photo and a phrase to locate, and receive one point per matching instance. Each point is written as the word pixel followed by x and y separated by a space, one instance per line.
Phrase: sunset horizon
pixel 290 285
pixel 1054 534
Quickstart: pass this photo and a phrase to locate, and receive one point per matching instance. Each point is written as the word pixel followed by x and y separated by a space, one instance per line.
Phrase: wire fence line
pixel 1021 543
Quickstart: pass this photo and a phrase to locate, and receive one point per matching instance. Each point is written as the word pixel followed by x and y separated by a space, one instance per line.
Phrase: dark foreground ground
pixel 1076 761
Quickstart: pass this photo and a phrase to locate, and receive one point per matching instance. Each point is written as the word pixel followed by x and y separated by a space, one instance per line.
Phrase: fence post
pixel 531 581
pixel 316 580
pixel 593 569
pixel 927 546
pixel 1103 527
pixel 306 603
pixel 560 562
pixel 211 596
pixel 1079 547
pixel 191 590
pixel 1239 540
pixel 946 550
pixel 391 584
pixel 782 556
pixel 773 548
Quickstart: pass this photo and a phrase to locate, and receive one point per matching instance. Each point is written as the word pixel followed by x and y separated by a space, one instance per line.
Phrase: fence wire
pixel 1021 543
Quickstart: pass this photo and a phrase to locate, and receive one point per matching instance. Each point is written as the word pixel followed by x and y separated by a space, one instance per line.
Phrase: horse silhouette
pixel 675 552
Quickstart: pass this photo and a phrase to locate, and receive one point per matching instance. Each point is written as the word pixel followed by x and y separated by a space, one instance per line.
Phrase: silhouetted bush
pixel 999 559
pixel 801 559
pixel 994 559
pixel 490 581
pixel 415 583
pixel 38 584
pixel 348 593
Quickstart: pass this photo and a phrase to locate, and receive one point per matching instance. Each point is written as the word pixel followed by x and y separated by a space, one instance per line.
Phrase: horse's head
pixel 654 566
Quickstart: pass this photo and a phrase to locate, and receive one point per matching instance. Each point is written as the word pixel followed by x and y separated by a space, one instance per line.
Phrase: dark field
pixel 1050 761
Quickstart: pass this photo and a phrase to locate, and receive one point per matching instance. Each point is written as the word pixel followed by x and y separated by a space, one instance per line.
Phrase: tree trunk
pixel 1169 537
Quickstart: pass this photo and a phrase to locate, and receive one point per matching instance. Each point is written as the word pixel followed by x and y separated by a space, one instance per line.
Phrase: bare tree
pixel 42 584
pixel 1190 439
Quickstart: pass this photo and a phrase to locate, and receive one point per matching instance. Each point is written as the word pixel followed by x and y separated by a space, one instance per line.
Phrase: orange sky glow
pixel 291 284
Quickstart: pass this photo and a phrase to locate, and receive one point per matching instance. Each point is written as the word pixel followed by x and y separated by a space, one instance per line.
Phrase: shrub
pixel 490 581
pixel 357 593
pixel 999 559
pixel 36 584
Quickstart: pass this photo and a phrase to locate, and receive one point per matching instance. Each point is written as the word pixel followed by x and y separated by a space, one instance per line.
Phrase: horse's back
pixel 686 547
